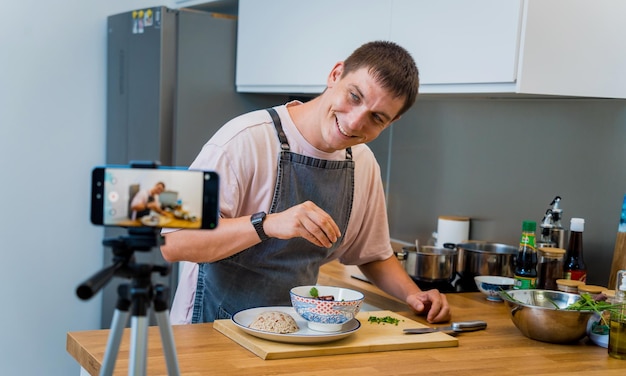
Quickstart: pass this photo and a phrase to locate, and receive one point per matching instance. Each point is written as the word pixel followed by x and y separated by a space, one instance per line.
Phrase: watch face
pixel 258 217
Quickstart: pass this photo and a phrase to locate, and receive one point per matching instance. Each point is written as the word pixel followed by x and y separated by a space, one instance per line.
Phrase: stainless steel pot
pixel 430 264
pixel 485 258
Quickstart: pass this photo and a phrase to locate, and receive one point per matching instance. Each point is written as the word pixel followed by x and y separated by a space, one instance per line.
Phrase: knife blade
pixel 455 327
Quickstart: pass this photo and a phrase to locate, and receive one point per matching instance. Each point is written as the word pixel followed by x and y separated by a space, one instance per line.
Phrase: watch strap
pixel 257 221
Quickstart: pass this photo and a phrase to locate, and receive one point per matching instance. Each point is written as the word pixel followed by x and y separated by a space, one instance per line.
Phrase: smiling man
pixel 299 188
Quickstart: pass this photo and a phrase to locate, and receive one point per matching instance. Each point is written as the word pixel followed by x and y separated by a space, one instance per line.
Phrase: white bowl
pixel 600 339
pixel 326 315
pixel 491 285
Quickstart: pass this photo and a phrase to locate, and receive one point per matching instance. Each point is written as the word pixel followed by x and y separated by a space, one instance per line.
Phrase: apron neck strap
pixel 284 144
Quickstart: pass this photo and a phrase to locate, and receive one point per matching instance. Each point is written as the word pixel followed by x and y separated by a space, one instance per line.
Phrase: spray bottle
pixel 545 239
pixel 557 232
pixel 617 331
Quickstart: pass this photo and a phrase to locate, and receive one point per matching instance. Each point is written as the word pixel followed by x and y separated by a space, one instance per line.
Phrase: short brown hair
pixel 391 66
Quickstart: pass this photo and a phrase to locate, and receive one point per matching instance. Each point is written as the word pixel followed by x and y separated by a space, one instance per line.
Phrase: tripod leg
pixel 120 318
pixel 167 336
pixel 138 345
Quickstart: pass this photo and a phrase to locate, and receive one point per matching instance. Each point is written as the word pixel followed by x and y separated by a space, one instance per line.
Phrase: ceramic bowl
pixel 326 315
pixel 597 331
pixel 491 286
pixel 541 315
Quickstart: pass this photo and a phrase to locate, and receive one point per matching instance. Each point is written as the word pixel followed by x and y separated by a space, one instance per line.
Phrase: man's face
pixel 158 189
pixel 356 109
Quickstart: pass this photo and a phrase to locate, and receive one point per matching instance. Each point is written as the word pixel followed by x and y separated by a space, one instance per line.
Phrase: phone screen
pixel 154 197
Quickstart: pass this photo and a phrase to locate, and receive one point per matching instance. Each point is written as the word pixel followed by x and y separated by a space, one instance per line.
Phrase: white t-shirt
pixel 244 152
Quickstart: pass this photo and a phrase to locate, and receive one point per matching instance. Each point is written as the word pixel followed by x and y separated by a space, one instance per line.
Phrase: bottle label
pixel 525 283
pixel 527 240
pixel 576 275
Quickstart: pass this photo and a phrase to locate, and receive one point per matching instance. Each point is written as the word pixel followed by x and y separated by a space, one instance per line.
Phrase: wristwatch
pixel 257 221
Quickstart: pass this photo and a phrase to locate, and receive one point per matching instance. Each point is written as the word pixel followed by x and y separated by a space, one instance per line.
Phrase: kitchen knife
pixel 456 327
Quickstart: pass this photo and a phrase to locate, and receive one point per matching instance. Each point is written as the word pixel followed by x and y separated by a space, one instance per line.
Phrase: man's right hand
pixel 305 220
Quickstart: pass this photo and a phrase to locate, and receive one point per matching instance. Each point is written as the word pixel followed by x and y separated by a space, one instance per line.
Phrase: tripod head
pixel 138 239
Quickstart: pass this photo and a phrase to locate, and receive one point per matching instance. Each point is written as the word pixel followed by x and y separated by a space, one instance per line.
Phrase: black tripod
pixel 138 295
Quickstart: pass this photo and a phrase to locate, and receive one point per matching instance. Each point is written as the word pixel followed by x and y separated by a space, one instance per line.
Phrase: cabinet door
pixel 291 45
pixel 460 41
pixel 574 47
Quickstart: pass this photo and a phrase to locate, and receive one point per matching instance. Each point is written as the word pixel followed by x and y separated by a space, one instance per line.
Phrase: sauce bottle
pixel 574 266
pixel 526 264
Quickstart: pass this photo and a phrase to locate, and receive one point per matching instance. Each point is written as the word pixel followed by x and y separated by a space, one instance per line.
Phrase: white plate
pixel 156 220
pixel 243 319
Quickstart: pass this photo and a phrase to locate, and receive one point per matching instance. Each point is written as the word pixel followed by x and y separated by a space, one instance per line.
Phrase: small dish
pixel 597 331
pixel 491 285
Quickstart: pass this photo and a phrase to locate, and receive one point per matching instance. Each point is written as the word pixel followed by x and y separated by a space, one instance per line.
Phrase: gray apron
pixel 263 274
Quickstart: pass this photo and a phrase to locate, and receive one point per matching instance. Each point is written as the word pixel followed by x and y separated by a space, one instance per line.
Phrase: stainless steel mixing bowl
pixel 535 314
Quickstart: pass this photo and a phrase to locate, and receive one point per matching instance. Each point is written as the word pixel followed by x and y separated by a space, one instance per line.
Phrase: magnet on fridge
pixel 140 22
pixel 147 18
pixel 135 21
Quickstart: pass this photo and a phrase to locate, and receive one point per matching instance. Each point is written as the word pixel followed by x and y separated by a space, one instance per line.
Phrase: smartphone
pixel 172 197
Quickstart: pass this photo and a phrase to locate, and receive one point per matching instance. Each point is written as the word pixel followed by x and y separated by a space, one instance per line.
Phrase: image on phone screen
pixel 154 197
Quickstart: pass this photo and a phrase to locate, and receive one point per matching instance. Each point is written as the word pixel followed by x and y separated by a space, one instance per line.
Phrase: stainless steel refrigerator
pixel 170 86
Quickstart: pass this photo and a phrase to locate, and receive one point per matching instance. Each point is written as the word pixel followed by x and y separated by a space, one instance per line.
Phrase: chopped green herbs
pixel 313 292
pixel 384 320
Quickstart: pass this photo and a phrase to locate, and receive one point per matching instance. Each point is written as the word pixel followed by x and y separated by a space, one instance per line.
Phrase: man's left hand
pixel 432 303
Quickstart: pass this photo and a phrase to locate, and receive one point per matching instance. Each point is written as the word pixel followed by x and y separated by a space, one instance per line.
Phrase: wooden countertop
pixel 499 350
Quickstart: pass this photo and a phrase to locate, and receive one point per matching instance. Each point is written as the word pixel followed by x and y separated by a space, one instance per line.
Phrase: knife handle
pixel 468 326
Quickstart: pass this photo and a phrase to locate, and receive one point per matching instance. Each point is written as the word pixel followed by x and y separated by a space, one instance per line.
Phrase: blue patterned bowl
pixel 491 286
pixel 326 315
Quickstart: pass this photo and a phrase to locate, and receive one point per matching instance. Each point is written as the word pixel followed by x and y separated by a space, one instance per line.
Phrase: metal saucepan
pixel 430 264
pixel 485 258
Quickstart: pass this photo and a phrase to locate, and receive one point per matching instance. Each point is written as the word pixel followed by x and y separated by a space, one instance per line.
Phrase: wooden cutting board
pixel 369 338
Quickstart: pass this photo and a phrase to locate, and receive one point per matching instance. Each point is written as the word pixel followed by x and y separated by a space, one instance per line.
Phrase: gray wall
pixel 500 161
pixel 52 128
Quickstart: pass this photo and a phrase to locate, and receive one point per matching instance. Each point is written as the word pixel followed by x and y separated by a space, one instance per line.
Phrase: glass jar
pixel 550 267
pixel 567 285
pixel 591 289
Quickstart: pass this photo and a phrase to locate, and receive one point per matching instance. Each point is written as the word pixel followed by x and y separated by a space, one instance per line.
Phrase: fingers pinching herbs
pixel 305 220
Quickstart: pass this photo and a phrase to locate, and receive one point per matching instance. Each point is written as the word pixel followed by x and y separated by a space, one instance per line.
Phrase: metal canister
pixel 550 267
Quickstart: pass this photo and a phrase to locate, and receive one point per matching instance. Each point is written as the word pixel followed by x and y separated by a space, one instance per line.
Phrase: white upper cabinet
pixel 459 42
pixel 500 47
pixel 290 46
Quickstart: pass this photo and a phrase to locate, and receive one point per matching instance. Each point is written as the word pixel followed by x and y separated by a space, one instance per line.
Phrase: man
pixel 307 165
pixel 147 200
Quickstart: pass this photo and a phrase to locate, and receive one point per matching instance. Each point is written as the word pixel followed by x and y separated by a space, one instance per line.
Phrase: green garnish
pixel 384 320
pixel 588 303
pixel 313 292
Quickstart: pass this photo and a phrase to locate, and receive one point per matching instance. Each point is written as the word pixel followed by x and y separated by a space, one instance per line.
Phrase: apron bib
pixel 262 275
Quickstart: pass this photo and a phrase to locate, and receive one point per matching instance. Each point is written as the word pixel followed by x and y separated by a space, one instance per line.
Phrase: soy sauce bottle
pixel 526 264
pixel 574 267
